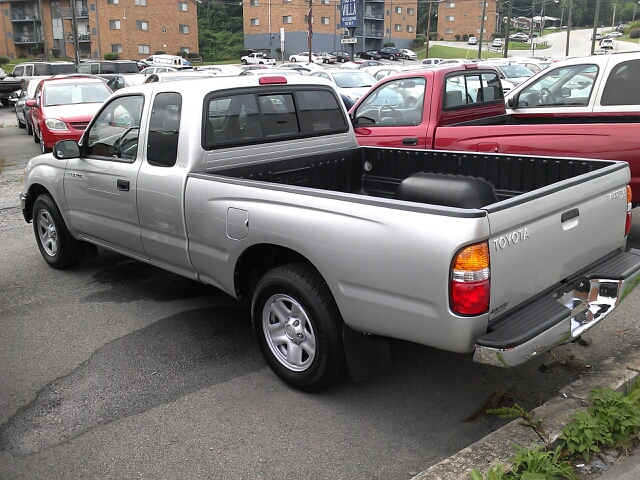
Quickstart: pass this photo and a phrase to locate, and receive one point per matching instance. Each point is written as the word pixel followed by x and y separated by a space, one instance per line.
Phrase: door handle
pixel 123 185
pixel 410 141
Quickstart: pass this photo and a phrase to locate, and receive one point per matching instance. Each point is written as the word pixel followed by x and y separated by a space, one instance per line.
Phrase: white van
pixel 175 61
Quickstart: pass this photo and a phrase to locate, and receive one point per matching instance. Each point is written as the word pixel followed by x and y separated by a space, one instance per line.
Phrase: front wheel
pixel 299 327
pixel 43 147
pixel 244 62
pixel 54 240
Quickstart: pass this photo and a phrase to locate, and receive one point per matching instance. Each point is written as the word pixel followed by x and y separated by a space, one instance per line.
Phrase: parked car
pixel 304 57
pixel 304 68
pixel 342 56
pixel 150 70
pixel 598 37
pixel 519 37
pixel 513 72
pixel 273 71
pixel 3 74
pixel 129 80
pixel 108 66
pixel 328 57
pixel 390 52
pixel 497 42
pixel 251 67
pixel 613 35
pixel 62 108
pixel 228 70
pixel 351 84
pixel 369 55
pixel 361 64
pixel 607 44
pixel 472 41
pixel 379 72
pixel 22 110
pixel 172 76
pixel 431 61
pixel 408 54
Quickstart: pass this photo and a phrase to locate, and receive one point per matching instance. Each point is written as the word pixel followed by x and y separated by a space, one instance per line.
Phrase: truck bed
pixel 379 172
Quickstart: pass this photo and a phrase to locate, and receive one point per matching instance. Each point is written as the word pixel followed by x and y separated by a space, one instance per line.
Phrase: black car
pixel 342 56
pixel 369 55
pixel 390 52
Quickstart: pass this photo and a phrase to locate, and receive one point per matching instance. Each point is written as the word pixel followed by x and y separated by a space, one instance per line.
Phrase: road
pixel 119 370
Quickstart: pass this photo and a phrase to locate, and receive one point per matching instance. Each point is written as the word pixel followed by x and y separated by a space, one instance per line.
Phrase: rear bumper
pixel 561 314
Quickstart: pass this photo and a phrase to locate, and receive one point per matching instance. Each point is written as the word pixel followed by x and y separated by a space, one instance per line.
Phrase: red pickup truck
pixel 575 108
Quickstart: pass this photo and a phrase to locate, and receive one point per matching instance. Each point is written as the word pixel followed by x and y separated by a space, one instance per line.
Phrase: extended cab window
pixel 563 86
pixel 622 85
pixel 164 127
pixel 394 103
pixel 246 118
pixel 114 134
pixel 471 89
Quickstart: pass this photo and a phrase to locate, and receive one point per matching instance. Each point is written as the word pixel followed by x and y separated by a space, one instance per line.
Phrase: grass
pixel 440 51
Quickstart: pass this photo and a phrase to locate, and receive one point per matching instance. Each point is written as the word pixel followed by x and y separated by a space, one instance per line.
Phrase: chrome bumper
pixel 566 313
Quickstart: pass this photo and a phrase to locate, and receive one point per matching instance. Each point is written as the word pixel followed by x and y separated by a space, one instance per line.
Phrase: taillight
pixel 470 280
pixel 271 80
pixel 627 225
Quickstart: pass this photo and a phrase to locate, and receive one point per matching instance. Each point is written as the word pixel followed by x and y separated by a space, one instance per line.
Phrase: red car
pixel 62 108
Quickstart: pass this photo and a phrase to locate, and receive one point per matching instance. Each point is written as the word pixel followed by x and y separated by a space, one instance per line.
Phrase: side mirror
pixel 65 149
pixel 512 102
pixel 31 102
pixel 565 92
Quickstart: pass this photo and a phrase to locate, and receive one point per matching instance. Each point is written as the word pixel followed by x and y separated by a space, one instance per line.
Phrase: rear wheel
pixel 299 327
pixel 36 137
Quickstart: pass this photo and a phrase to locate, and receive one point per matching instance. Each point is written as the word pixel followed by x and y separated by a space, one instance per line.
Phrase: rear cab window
pixel 279 113
pixel 465 89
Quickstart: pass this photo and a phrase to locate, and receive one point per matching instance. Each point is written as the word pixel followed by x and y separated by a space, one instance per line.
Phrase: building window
pixel 113 2
pixel 411 11
pixel 398 9
pixel 287 19
pixel 286 1
pixel 483 31
pixel 253 3
pixel 144 49
pixel 183 6
pixel 324 2
pixel 142 25
pixel 255 22
pixel 306 19
pixel 409 28
pixel 398 27
pixel 451 5
pixel 92 7
pixel 449 19
pixel 116 48
pixel 448 31
pixel 114 24
pixel 324 20
pixel 184 29
pixel 480 18
pixel 185 49
pixel 140 3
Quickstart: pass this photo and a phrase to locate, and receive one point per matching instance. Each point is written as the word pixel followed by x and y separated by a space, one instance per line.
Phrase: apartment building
pixel 464 17
pixel 133 29
pixel 350 25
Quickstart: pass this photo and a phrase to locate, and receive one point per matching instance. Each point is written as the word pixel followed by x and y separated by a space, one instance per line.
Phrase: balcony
pixel 24 15
pixel 27 38
pixel 370 33
pixel 83 37
pixel 66 13
pixel 373 15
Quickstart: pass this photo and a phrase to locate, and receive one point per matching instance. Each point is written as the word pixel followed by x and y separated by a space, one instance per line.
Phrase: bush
pixel 55 52
pixel 182 54
pixel 3 60
pixel 465 37
pixel 634 32
pixel 457 37
pixel 389 44
pixel 159 52
pixel 496 35
pixel 434 36
pixel 193 55
pixel 111 56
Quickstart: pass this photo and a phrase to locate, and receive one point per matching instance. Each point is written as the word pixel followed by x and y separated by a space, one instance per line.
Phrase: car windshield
pixel 71 94
pixel 353 80
pixel 515 71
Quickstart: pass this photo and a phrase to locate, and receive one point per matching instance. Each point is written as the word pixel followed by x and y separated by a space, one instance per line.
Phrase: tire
pixel 299 327
pixel 392 58
pixel 43 147
pixel 342 60
pixel 293 60
pixel 29 128
pixel 20 124
pixel 36 136
pixel 52 236
pixel 244 62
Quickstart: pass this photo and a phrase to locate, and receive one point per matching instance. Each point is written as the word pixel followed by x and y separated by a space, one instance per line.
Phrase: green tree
pixel 220 30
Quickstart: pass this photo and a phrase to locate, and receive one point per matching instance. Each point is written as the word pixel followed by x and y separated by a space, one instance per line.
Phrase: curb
pixel 614 372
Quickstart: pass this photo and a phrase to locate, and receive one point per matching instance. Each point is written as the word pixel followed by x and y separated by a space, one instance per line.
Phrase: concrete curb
pixel 615 373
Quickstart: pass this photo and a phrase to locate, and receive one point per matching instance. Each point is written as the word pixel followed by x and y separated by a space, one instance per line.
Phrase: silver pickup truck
pixel 256 185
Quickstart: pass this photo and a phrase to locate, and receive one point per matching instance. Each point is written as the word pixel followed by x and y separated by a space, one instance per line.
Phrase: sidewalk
pixel 613 373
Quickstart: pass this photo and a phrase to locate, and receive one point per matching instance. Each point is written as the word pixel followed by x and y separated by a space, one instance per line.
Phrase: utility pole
pixel 426 55
pixel 595 27
pixel 506 35
pixel 310 31
pixel 74 27
pixel 484 10
pixel 566 53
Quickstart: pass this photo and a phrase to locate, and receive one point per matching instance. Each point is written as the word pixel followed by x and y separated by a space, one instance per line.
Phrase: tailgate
pixel 542 237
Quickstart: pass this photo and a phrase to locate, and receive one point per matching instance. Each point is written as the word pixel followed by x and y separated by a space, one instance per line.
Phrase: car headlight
pixel 55 124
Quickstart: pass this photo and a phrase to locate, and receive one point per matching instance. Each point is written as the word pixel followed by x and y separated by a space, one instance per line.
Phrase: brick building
pixel 464 17
pixel 373 23
pixel 132 28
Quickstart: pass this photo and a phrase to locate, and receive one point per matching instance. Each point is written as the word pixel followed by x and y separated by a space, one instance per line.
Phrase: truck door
pixel 392 115
pixel 101 186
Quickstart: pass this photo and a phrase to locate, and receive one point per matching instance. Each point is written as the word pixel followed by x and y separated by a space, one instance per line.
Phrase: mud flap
pixel 367 355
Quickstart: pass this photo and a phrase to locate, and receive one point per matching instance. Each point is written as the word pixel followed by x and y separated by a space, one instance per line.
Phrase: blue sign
pixel 348 15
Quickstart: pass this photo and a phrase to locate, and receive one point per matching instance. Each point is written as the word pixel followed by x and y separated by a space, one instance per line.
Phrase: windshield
pixel 571 85
pixel 71 94
pixel 515 71
pixel 353 80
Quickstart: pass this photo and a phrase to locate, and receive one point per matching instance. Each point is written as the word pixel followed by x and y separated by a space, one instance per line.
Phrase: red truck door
pixel 394 114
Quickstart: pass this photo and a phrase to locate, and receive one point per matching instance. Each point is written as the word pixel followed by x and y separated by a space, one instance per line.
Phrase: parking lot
pixel 116 369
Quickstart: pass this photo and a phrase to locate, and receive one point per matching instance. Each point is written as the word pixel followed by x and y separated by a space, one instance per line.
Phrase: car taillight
pixel 471 280
pixel 627 225
pixel 271 80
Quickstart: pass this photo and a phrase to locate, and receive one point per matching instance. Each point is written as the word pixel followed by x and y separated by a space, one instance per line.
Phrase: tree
pixel 220 30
